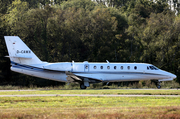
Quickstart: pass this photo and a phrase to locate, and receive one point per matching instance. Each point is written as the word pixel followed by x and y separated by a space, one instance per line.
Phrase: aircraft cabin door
pixel 86 67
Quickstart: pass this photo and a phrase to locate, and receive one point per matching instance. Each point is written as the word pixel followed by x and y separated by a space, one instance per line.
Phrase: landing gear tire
pixel 82 86
pixel 158 85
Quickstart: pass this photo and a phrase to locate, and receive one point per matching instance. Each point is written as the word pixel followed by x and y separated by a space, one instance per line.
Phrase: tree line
pixel 83 30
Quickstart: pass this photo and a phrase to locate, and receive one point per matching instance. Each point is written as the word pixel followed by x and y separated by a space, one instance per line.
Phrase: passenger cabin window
pixel 121 67
pixel 114 67
pixel 95 67
pixel 86 67
pixel 108 67
pixel 128 67
pixel 101 67
pixel 135 67
pixel 147 68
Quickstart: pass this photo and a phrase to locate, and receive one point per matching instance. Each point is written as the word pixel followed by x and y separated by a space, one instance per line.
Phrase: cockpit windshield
pixel 152 67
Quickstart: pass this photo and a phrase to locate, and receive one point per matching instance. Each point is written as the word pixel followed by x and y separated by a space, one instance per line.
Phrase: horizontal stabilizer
pixel 20 56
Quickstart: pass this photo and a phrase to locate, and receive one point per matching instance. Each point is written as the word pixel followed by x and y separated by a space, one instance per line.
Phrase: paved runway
pixel 87 95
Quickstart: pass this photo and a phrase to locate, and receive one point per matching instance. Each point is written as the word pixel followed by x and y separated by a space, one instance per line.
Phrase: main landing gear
pixel 82 86
pixel 85 83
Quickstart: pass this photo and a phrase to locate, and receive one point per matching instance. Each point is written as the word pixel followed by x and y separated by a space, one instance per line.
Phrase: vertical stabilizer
pixel 19 52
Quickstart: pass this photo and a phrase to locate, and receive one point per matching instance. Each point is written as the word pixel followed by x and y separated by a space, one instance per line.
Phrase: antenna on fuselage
pixel 107 61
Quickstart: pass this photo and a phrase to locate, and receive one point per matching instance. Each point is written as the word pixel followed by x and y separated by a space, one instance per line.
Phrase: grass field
pixel 91 107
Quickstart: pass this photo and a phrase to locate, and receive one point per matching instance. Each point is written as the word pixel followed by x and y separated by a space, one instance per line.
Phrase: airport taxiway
pixel 86 95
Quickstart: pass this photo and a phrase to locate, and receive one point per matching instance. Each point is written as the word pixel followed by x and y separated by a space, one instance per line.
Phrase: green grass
pixel 105 91
pixel 67 102
pixel 89 107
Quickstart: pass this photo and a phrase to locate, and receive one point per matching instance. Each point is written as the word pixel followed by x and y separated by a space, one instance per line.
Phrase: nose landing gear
pixel 158 84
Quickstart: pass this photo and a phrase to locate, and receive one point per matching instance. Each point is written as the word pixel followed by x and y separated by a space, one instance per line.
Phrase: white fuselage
pixel 23 60
pixel 103 72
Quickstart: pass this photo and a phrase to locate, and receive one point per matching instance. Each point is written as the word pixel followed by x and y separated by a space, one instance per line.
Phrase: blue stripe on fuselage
pixel 32 68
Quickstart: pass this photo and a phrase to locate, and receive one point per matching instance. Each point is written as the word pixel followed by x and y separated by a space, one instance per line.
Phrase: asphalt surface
pixel 86 89
pixel 85 95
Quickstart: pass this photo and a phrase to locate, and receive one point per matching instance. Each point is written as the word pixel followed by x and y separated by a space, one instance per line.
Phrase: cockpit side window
pixel 155 68
pixel 152 68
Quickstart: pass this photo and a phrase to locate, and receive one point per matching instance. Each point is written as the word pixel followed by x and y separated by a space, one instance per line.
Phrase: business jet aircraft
pixel 24 61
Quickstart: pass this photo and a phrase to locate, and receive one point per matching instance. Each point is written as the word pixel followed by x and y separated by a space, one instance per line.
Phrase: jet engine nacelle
pixel 58 66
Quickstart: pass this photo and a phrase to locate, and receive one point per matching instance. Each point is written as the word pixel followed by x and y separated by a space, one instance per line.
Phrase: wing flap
pixel 72 77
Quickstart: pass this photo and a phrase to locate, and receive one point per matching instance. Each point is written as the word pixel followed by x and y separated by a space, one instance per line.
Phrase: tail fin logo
pixel 23 51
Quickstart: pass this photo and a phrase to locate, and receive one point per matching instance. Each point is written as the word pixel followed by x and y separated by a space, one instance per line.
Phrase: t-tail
pixel 19 52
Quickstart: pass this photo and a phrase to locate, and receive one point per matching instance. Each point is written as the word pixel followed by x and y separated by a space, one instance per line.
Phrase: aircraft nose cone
pixel 173 76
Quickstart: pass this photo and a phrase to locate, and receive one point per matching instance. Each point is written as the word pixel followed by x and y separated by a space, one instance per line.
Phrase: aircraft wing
pixel 73 77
